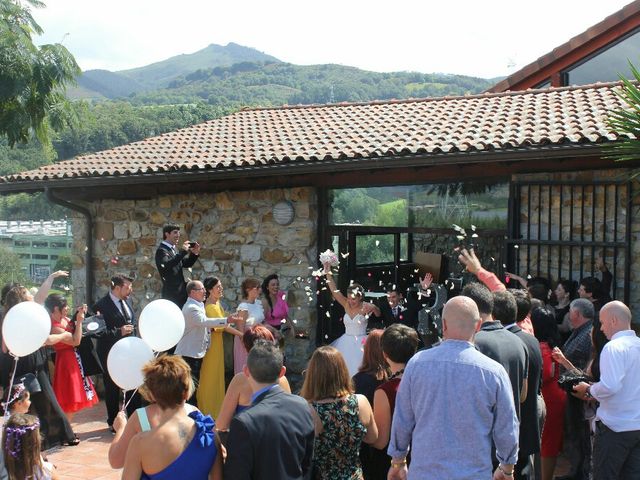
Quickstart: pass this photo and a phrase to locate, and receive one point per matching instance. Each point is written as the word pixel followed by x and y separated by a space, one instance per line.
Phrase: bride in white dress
pixel 356 317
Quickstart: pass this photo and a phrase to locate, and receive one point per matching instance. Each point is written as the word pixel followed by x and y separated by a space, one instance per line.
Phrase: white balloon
pixel 161 324
pixel 25 328
pixel 125 361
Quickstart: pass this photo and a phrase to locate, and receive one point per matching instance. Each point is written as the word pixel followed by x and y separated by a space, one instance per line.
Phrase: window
pixel 605 65
pixel 545 84
pixel 40 244
pixel 429 205
pixel 22 243
pixel 379 248
pixel 58 245
pixel 38 256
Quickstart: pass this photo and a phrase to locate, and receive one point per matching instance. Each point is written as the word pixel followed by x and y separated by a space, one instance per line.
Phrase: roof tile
pixel 320 133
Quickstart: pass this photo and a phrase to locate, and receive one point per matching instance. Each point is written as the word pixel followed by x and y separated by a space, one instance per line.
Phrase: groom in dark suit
pixel 120 321
pixel 274 437
pixel 170 262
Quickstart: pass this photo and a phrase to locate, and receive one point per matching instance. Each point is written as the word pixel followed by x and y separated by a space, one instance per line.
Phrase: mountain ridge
pixel 239 75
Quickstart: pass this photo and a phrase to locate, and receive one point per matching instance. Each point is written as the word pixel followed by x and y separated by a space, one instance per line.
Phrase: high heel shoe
pixel 72 443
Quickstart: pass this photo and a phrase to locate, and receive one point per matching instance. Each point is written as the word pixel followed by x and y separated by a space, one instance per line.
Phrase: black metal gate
pixel 558 229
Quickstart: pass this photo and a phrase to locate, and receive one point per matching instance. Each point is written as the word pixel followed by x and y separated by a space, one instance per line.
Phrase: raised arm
pixel 43 291
pixel 337 295
pixel 472 263
pixel 58 333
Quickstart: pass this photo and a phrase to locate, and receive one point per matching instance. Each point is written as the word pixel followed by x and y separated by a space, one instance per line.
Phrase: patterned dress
pixel 336 450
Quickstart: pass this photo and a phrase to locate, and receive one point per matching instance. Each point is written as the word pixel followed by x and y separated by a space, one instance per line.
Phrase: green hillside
pixel 158 75
pixel 274 84
pixel 103 83
pixel 115 108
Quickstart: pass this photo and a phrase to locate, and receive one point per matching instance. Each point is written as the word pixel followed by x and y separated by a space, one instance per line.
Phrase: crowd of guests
pixel 519 376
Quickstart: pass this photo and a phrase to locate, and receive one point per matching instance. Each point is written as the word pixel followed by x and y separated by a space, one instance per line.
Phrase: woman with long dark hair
pixel 74 390
pixel 54 425
pixel 546 331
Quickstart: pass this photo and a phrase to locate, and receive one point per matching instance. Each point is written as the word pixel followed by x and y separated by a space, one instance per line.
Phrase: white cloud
pixel 457 36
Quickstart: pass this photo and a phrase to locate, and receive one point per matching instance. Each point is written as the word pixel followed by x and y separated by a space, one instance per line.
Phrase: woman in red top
pixel 555 399
pixel 73 389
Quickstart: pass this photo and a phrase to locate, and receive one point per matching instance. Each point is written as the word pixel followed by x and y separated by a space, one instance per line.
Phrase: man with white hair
pixel 616 453
pixel 452 405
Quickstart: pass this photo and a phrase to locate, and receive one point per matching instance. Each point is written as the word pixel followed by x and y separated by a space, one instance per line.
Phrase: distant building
pixel 38 244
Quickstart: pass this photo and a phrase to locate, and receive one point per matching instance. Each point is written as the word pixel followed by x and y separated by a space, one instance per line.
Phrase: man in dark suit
pixel 170 263
pixel 274 437
pixel 119 318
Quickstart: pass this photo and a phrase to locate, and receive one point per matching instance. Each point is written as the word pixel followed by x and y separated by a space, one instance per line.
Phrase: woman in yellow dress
pixel 211 383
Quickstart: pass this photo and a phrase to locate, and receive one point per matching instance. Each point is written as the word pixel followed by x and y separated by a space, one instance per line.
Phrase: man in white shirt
pixel 616 453
pixel 197 330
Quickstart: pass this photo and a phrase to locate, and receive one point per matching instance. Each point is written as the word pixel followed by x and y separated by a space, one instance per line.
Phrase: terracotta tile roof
pixel 479 123
pixel 620 22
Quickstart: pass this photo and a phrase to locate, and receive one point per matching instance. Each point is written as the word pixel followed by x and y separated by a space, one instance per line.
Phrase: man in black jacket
pixel 119 318
pixel 170 263
pixel 274 437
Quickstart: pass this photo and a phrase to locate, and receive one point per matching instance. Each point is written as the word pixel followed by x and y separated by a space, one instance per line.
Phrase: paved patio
pixel 87 460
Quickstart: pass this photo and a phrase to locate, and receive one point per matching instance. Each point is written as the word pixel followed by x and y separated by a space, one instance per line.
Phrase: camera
pixel 192 244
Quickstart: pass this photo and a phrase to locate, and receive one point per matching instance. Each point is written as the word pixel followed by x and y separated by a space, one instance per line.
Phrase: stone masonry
pixel 239 239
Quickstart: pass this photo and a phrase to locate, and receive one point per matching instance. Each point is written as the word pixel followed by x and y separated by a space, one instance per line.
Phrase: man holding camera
pixel 171 261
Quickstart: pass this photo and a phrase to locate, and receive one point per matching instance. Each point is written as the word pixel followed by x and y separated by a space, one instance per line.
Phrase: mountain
pixel 104 83
pixel 99 84
pixel 274 84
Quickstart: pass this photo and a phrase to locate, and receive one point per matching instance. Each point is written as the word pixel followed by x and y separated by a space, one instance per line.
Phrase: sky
pixel 487 38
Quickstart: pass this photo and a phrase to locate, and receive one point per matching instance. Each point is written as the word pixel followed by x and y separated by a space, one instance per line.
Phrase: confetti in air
pixel 344 255
pixel 377 242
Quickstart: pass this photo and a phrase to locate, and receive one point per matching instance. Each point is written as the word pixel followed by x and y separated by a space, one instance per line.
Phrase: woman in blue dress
pixel 182 445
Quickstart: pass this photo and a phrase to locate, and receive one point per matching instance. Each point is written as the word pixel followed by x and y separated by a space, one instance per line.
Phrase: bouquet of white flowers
pixel 329 257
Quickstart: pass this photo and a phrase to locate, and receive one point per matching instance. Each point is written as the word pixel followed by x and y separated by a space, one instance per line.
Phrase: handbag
pixel 569 379
pixel 93 326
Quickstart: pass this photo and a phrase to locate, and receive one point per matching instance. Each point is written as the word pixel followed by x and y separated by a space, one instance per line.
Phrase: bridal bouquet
pixel 329 257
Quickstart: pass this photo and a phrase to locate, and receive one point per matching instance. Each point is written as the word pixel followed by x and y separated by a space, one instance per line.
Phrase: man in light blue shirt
pixel 453 403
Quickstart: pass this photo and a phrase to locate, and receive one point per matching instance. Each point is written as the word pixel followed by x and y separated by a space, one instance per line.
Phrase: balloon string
pixel 13 375
pixel 125 405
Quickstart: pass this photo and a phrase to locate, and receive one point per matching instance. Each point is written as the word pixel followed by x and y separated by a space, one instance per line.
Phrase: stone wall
pixel 238 236
pixel 594 219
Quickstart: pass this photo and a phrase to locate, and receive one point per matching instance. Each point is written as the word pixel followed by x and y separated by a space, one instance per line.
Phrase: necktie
pixel 125 312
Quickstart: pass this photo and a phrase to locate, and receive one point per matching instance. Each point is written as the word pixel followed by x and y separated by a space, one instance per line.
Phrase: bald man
pixel 616 453
pixel 452 404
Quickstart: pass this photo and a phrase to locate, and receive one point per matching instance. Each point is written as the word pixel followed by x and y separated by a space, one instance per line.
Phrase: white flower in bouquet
pixel 329 257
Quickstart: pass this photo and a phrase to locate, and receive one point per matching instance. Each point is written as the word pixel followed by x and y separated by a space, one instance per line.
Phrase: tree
pixel 10 268
pixel 32 78
pixel 626 122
